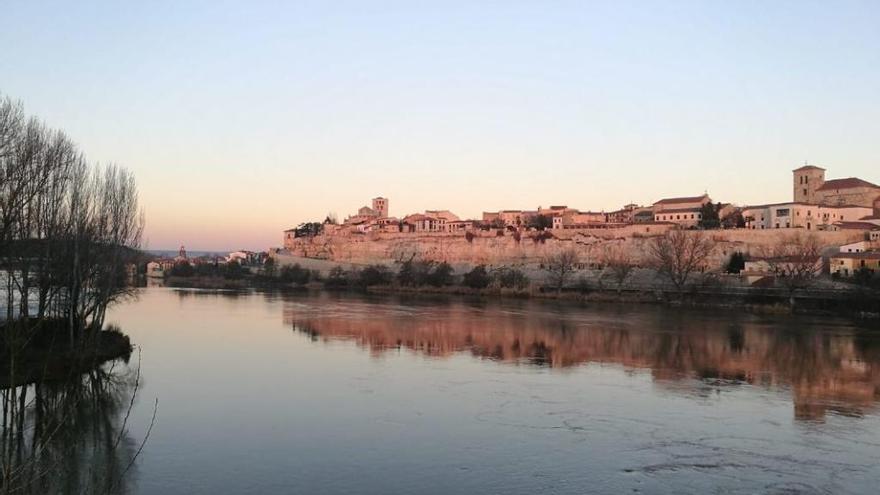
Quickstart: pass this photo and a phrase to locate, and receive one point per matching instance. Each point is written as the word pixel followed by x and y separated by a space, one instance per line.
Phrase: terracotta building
pixel 810 186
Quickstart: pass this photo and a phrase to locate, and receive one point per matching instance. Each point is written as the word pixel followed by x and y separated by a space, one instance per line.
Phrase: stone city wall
pixel 528 248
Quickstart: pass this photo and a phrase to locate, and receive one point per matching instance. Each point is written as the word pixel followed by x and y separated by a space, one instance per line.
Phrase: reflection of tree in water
pixel 72 437
pixel 825 370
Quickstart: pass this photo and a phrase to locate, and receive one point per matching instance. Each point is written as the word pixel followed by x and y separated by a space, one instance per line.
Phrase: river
pixel 340 393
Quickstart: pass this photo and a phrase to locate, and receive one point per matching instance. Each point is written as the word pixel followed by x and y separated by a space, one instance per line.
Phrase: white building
pixel 686 212
pixel 800 215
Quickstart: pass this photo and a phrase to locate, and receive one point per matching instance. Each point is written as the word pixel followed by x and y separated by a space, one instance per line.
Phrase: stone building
pixel 627 214
pixel 573 219
pixel 418 222
pixel 510 218
pixel 811 187
pixel 847 264
pixel 800 215
pixel 380 207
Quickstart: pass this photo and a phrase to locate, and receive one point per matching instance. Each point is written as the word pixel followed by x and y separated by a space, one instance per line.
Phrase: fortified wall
pixel 529 248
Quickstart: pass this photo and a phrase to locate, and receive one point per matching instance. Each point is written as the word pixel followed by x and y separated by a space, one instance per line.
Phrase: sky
pixel 242 119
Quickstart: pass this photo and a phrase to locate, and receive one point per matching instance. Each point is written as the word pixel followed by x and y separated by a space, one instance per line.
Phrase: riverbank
pixel 45 353
pixel 858 303
pixel 759 301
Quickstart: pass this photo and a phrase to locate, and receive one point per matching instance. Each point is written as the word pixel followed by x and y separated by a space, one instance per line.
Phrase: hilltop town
pixel 827 235
pixel 834 212
pixel 818 204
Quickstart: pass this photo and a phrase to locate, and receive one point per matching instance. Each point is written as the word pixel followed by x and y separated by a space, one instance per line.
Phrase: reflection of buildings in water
pixel 826 371
pixel 71 437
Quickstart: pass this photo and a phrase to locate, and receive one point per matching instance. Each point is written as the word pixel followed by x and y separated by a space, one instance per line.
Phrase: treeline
pixel 231 270
pixel 409 274
pixel 68 229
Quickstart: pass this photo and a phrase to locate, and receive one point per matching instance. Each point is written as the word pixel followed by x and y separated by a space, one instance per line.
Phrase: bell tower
pixel 380 206
pixel 805 182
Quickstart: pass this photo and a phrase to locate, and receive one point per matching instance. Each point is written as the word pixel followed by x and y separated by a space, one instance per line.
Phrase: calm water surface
pixel 352 394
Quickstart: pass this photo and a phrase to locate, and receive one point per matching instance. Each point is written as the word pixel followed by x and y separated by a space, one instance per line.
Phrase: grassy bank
pixel 415 277
pixel 855 303
pixel 44 352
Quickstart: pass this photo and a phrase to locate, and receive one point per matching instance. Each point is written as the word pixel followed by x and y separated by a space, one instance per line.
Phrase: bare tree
pixel 618 264
pixel 795 261
pixel 560 266
pixel 678 254
pixel 68 233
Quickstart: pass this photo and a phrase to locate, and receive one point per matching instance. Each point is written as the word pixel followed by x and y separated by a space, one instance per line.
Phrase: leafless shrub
pixel 795 261
pixel 678 254
pixel 560 266
pixel 618 265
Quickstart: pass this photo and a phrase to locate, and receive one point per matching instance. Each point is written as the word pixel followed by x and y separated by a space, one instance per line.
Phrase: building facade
pixel 811 187
pixel 380 207
pixel 800 215
pixel 685 212
pixel 847 264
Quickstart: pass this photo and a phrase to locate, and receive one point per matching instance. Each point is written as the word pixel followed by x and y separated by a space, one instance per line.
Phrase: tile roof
pixel 857 225
pixel 808 167
pixel 848 183
pixel 679 210
pixel 692 199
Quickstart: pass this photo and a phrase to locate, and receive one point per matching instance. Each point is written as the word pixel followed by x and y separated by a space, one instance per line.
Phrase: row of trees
pixel 410 273
pixel 68 229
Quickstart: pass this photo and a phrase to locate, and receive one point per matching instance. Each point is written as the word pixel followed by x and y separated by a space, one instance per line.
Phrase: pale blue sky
pixel 241 119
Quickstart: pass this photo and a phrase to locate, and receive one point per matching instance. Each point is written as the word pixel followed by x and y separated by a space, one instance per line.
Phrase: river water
pixel 338 394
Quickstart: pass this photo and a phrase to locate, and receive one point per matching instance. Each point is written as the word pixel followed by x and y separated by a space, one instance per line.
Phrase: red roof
pixel 808 167
pixel 670 201
pixel 857 225
pixel 679 210
pixel 848 183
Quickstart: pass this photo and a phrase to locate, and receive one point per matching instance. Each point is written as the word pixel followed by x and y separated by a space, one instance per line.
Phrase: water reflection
pixel 72 436
pixel 833 368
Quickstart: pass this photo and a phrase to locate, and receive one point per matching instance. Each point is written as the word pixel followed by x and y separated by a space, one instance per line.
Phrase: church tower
pixel 380 206
pixel 806 180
